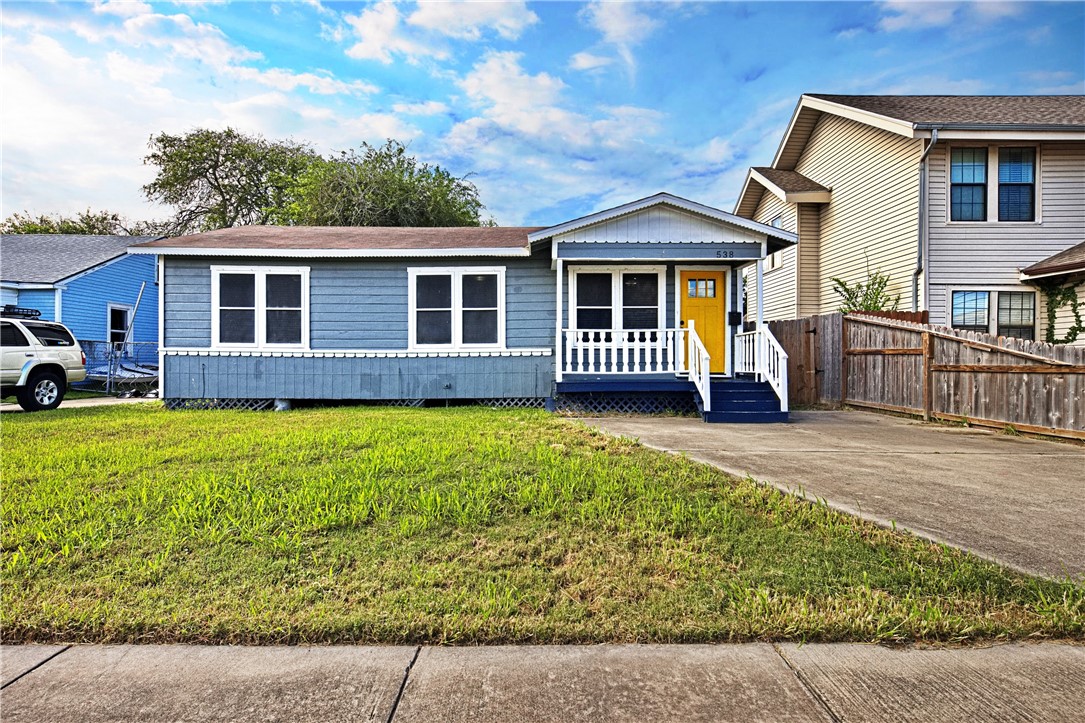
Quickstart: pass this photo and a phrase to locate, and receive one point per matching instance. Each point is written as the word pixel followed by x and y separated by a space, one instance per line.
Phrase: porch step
pixel 742 401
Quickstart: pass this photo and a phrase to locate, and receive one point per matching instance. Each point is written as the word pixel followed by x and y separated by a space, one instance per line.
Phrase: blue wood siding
pixel 9 296
pixel 660 251
pixel 85 299
pixel 41 299
pixel 361 304
pixel 241 377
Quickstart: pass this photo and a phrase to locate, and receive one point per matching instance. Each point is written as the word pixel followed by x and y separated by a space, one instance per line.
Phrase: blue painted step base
pixel 742 401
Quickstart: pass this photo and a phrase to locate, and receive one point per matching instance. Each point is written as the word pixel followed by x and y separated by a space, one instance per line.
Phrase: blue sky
pixel 556 109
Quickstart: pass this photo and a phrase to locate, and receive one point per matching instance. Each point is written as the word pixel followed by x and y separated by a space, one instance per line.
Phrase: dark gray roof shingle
pixel 971 110
pixel 789 181
pixel 1070 260
pixel 353 238
pixel 48 258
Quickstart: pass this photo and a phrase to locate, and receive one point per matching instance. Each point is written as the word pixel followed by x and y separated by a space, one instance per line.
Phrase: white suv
pixel 40 360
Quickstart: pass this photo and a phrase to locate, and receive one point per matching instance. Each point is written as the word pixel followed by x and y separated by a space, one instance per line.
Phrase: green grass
pixel 134 524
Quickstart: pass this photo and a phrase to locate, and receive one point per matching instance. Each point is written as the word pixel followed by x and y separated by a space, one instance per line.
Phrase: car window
pixel 11 336
pixel 50 335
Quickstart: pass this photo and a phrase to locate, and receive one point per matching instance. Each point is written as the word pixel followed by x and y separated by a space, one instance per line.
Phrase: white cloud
pixel 287 80
pixel 588 61
pixel 429 107
pixel 123 8
pixel 379 37
pixel 467 20
pixel 622 25
pixel 912 15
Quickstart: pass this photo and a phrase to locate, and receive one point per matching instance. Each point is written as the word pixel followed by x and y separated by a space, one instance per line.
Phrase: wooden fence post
pixel 928 374
pixel 844 359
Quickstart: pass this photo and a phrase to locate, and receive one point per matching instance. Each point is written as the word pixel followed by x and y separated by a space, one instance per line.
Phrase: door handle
pixel 29 353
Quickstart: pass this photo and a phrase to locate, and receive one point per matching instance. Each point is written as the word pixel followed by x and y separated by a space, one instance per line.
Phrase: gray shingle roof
pixel 789 181
pixel 353 238
pixel 971 110
pixel 1070 260
pixel 48 258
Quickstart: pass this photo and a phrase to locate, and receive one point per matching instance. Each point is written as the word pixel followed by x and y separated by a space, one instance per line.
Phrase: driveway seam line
pixel 403 684
pixel 31 670
pixel 810 688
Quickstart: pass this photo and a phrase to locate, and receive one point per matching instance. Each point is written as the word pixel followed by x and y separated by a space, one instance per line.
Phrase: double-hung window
pixel 1011 196
pixel 617 299
pixel 1000 313
pixel 260 307
pixel 457 308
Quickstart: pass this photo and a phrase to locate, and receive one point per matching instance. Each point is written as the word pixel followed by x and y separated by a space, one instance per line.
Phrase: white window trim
pixel 679 293
pixel 616 300
pixel 992 186
pixel 457 273
pixel 992 306
pixel 109 307
pixel 261 273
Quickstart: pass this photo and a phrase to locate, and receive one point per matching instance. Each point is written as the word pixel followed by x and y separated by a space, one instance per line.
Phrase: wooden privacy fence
pixel 936 372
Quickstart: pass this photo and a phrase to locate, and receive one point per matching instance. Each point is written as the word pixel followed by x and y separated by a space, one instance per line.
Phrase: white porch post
pixel 760 293
pixel 558 356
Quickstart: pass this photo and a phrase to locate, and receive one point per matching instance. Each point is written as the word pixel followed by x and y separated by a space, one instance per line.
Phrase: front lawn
pixel 465 525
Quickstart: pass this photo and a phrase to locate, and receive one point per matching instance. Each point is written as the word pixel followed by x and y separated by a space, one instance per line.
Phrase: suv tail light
pixel 83 355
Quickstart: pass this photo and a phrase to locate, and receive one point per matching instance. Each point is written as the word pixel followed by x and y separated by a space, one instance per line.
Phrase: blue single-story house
pixel 622 308
pixel 88 283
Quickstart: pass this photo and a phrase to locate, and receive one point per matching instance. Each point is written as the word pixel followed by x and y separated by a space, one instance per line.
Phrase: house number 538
pixel 725 254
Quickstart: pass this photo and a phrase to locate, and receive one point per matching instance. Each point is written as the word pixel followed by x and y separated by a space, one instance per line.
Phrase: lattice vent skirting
pixel 249 405
pixel 513 403
pixel 588 404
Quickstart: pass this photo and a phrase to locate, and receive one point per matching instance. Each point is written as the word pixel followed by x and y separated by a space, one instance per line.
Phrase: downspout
pixel 921 239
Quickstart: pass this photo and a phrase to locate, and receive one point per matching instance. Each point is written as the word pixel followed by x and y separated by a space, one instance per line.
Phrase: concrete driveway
pixel 1017 501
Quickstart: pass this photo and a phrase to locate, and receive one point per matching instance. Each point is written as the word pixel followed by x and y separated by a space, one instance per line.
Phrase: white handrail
pixel 758 352
pixel 699 363
pixel 623 351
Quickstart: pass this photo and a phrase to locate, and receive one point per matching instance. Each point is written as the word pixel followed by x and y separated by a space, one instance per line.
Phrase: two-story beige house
pixel 951 196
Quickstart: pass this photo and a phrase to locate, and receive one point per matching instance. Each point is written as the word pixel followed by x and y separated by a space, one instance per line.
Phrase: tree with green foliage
pixel 868 296
pixel 91 223
pixel 217 179
pixel 382 186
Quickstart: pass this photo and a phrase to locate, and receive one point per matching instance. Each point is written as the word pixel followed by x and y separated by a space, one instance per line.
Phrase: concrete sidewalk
pixel 749 682
pixel 1014 500
pixel 88 402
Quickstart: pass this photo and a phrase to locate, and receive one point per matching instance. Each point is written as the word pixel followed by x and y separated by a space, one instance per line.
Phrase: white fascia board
pixel 657 200
pixel 1065 272
pixel 1004 134
pixel 791 196
pixel 745 190
pixel 893 125
pixel 27 285
pixel 330 253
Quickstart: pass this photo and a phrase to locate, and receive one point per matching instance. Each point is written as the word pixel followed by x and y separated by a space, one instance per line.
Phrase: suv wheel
pixel 43 391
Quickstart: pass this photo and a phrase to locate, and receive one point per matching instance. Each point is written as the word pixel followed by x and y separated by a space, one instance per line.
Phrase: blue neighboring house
pixel 88 283
pixel 630 308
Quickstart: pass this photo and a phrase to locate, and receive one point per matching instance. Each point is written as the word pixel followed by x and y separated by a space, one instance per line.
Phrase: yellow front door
pixel 704 302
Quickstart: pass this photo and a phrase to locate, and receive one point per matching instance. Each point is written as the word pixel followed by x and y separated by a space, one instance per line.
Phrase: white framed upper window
pixel 260 307
pixel 993 183
pixel 118 317
pixel 617 298
pixel 456 308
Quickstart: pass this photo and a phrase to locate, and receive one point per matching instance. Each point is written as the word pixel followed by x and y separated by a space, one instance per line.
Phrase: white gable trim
pixel 329 253
pixel 662 199
pixel 792 196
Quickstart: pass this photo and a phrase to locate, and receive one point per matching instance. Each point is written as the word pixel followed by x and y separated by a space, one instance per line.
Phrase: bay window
pixel 457 308
pixel 259 307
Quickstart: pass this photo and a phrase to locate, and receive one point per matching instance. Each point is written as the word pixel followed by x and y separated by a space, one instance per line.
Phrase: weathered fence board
pixel 899 364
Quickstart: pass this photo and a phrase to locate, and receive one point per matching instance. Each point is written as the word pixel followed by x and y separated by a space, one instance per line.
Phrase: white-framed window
pixel 993 183
pixel 996 312
pixel 775 260
pixel 118 316
pixel 456 308
pixel 617 298
pixel 260 307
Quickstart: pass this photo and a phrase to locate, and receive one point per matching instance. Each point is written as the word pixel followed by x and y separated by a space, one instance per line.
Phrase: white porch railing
pixel 623 351
pixel 758 352
pixel 700 364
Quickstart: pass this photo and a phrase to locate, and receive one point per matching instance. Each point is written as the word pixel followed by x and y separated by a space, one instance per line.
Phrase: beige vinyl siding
pixel 1064 316
pixel 872 222
pixel 779 283
pixel 981 254
pixel 809 279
